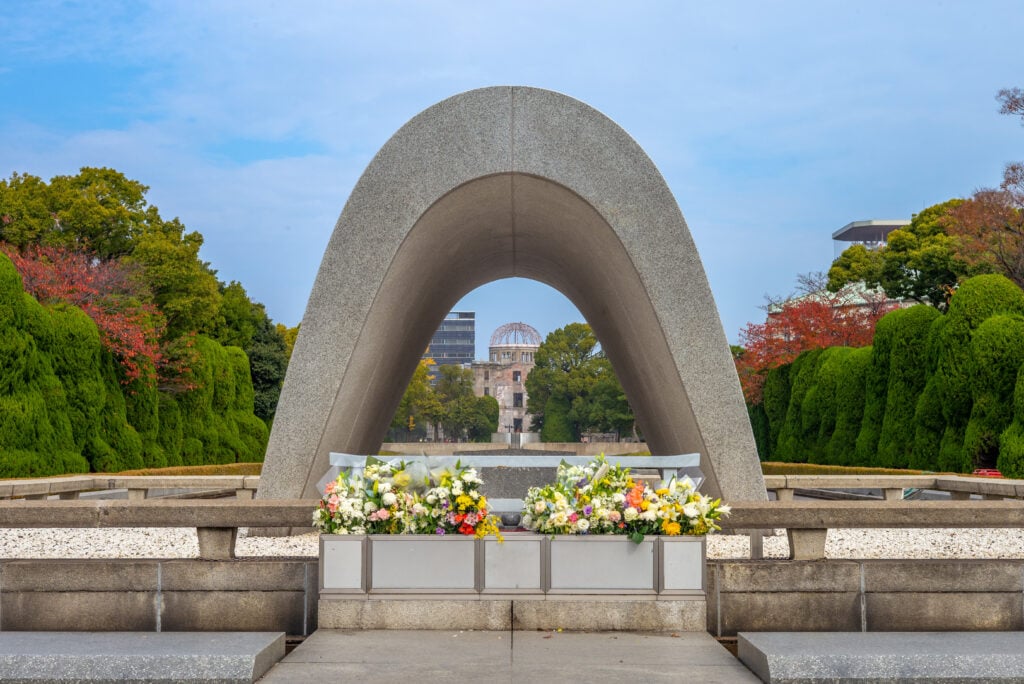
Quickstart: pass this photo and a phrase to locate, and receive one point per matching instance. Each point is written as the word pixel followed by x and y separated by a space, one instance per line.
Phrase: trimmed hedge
pixel 850 388
pixel 908 333
pixel 997 353
pixel 63 408
pixel 933 393
pixel 776 404
pixel 793 439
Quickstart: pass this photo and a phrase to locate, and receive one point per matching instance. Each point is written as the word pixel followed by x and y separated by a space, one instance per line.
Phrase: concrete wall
pixel 281 594
pixel 865 595
pixel 159 595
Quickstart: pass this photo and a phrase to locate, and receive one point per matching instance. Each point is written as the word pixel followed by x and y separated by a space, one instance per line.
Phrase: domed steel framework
pixel 512 334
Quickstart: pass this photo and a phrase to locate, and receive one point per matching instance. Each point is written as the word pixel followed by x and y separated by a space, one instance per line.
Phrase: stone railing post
pixel 807 544
pixel 217 543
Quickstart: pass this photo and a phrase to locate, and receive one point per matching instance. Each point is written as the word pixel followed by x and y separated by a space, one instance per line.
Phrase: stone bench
pixel 810 657
pixel 240 657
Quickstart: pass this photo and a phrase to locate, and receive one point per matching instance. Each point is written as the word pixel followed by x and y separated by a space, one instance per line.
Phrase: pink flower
pixel 573 517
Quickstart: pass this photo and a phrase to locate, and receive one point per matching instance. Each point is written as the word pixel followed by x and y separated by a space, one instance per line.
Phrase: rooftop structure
pixel 872 234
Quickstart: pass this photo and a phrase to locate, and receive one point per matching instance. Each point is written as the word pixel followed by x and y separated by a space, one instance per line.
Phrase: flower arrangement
pixel 401 498
pixel 600 498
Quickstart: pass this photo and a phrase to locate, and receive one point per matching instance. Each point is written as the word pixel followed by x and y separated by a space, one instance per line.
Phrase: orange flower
pixel 635 495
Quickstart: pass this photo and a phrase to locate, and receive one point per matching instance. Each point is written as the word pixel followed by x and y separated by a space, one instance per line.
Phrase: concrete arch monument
pixel 496 183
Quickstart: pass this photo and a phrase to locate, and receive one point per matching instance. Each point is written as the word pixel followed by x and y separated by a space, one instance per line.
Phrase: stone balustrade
pixel 893 486
pixel 138 486
pixel 807 522
pixel 217 521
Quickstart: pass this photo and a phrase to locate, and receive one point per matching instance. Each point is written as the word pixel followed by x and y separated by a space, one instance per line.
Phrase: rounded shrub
pixel 776 404
pixel 792 439
pixel 997 353
pixel 907 330
pixel 850 391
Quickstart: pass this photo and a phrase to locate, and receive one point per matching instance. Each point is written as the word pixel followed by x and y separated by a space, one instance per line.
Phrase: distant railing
pixel 893 486
pixel 137 486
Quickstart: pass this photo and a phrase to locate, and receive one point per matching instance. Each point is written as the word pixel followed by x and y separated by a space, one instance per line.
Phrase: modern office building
pixel 454 343
pixel 503 375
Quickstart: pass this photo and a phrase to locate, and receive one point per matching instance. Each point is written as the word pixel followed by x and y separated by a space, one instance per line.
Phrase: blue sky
pixel 773 123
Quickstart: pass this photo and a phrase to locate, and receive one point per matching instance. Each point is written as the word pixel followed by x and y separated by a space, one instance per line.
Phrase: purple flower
pixel 587 510
pixel 439 531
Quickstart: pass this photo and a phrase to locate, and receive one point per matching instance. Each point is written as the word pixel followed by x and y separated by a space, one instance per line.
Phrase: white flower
pixel 431 499
pixel 384 487
pixel 618 497
pixel 526 521
pixel 389 499
pixel 369 507
pixel 690 510
pixel 630 514
pixel 582 524
pixel 539 507
pixel 648 515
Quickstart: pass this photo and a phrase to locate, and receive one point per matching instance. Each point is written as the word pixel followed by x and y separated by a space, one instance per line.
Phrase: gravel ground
pixel 149 542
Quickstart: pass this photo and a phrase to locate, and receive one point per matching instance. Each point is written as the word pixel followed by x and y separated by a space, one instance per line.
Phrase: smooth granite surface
pixel 138 656
pixel 811 657
pixel 527 657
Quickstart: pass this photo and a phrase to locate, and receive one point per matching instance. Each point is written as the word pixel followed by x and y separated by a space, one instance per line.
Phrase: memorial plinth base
pixel 604 613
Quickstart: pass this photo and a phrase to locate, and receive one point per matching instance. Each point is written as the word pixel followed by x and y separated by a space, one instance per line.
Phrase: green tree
pixel 776 404
pixel 907 338
pixel 454 392
pixel 98 209
pixel 268 362
pixel 793 439
pixel 238 316
pixel 1011 442
pixel 484 419
pixel 419 404
pixel 997 353
pixel 918 262
pixel 949 389
pixel 570 367
pixel 183 287
pixel 289 336
pixel 850 387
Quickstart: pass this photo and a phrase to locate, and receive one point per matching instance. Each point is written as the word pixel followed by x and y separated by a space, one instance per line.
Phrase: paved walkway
pixel 440 656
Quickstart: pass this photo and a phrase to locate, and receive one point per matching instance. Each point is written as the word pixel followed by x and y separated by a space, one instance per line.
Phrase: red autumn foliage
pixel 816 321
pixel 109 292
pixel 990 226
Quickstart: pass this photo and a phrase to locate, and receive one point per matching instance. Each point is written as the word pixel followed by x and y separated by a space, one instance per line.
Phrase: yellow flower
pixel 670 528
pixel 661 492
pixel 463 502
pixel 402 478
pixel 644 505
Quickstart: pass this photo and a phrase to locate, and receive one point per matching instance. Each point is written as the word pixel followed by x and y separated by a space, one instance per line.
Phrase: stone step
pixel 810 657
pixel 138 656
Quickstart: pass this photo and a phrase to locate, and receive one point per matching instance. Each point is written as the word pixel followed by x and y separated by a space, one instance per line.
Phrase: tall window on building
pixel 487 391
pixel 517 376
pixel 517 400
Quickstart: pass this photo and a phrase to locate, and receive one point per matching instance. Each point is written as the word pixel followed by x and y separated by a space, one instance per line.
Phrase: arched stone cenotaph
pixel 497 183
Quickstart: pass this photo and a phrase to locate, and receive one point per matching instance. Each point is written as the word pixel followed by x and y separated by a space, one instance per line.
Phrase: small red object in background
pixel 987 472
